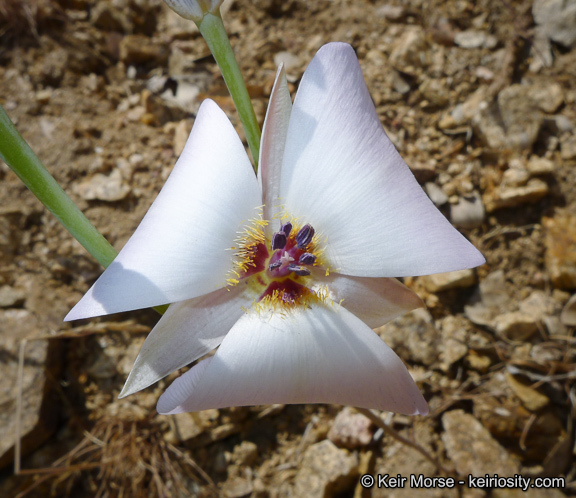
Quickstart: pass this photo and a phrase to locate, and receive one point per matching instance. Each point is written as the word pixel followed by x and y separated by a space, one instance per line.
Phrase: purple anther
pixel 299 270
pixel 276 264
pixel 304 236
pixel 286 228
pixel 278 240
pixel 307 259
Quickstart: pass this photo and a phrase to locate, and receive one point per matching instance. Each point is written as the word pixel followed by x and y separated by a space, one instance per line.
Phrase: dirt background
pixel 479 97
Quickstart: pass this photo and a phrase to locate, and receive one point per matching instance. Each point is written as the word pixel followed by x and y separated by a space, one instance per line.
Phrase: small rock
pixel 530 398
pixel 478 362
pixel 11 297
pixel 568 315
pixel 503 196
pixel 554 325
pixel 185 97
pixel 136 114
pixel 391 12
pixel 484 73
pixel 410 49
pixel 539 304
pixel 468 212
pixel 435 92
pixel 325 471
pixel 515 177
pixel 471 447
pixel 449 280
pixel 490 300
pixel 539 166
pixel 454 340
pixel 548 97
pixel 53 66
pixel 568 147
pixel 414 337
pixel 557 19
pixel 475 39
pixel 447 122
pixel 563 123
pixel 396 458
pixel 560 241
pixel 545 352
pixel 236 487
pixel 104 188
pixel 44 96
pixel 464 113
pixel 516 326
pixel 184 427
pixel 291 62
pixel 513 121
pixel 423 171
pixel 351 429
pixel 436 194
pixel 245 453
pixel 139 49
pixel 400 83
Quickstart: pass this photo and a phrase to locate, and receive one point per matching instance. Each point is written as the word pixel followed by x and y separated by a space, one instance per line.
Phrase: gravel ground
pixel 479 97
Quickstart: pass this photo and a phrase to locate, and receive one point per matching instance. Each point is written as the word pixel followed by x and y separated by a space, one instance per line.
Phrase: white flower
pixel 194 9
pixel 289 271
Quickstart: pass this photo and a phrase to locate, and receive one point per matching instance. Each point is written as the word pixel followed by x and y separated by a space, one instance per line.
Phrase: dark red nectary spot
pixel 258 260
pixel 287 290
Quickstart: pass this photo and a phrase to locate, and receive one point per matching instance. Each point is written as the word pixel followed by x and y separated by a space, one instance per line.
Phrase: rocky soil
pixel 479 97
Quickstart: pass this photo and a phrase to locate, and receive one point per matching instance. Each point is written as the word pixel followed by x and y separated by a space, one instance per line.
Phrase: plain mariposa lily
pixel 286 272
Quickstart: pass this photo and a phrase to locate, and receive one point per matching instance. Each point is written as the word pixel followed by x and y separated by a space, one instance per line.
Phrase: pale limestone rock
pixel 530 398
pixel 325 470
pixel 450 280
pixel 351 429
pixel 472 448
pixel 516 325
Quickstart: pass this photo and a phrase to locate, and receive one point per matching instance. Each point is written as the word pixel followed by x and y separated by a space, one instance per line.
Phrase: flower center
pixel 290 252
pixel 278 264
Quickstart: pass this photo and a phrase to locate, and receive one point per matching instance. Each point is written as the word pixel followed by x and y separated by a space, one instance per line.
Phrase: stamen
pixel 286 228
pixel 278 240
pixel 307 259
pixel 304 236
pixel 299 270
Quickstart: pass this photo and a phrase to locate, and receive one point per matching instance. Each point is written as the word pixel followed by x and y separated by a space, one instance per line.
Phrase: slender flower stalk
pixel 18 155
pixel 213 31
pixel 206 15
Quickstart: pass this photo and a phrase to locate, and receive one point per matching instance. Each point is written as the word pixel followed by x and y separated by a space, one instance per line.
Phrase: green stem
pixel 18 155
pixel 212 29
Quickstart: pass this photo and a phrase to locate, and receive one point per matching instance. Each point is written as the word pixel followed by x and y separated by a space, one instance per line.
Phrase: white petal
pixel 181 248
pixel 319 355
pixel 187 331
pixel 272 144
pixel 342 175
pixel 375 301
